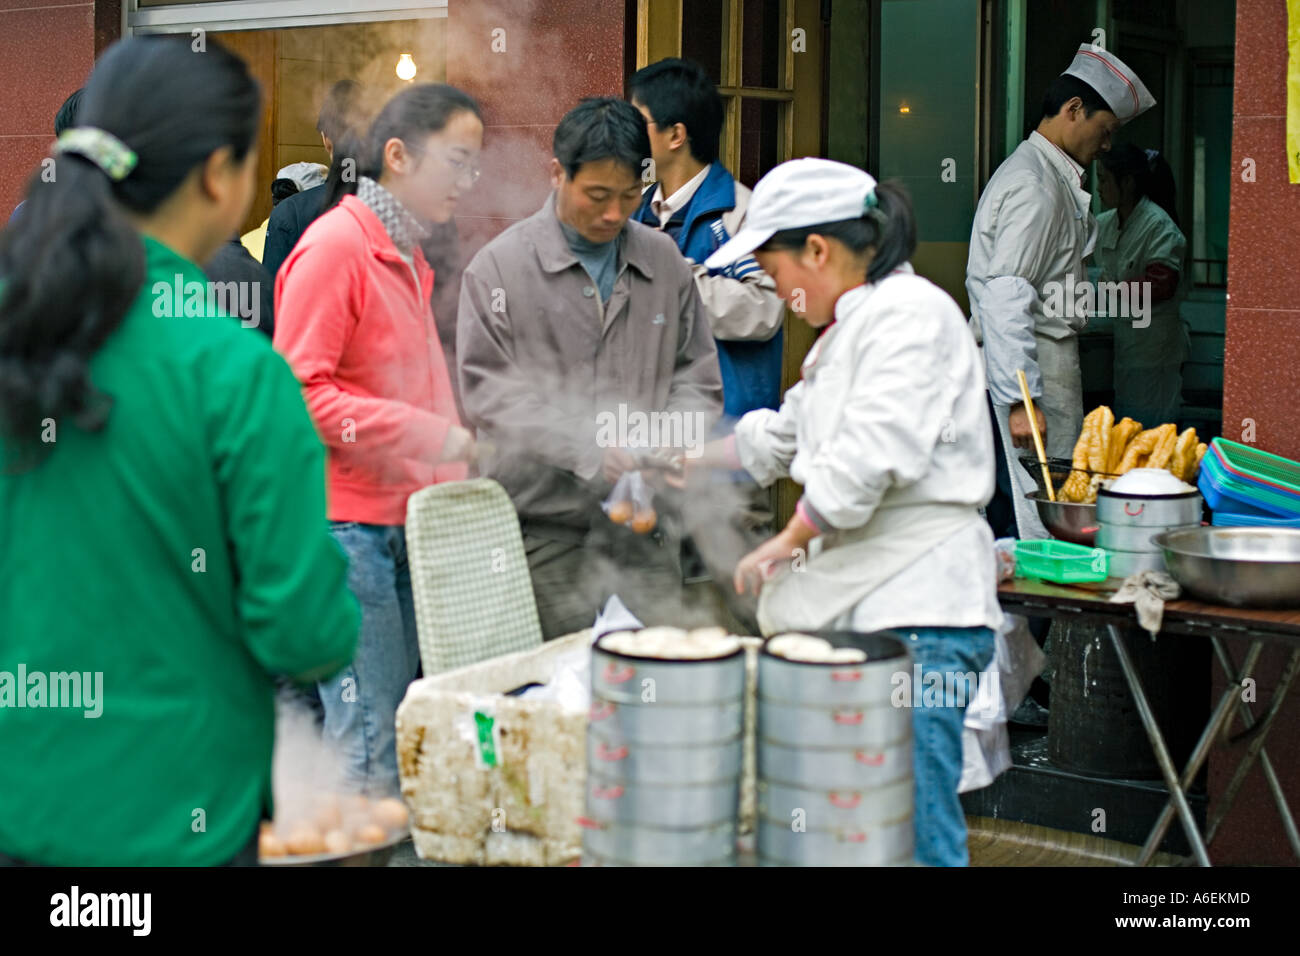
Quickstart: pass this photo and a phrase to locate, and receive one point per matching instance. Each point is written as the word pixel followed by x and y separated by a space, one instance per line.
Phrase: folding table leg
pixel 1162 757
pixel 1256 749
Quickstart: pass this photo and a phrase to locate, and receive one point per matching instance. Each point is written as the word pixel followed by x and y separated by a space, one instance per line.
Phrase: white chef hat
pixel 797 193
pixel 1114 82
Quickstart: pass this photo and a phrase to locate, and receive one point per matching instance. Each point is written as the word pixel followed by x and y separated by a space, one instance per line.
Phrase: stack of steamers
pixel 666 738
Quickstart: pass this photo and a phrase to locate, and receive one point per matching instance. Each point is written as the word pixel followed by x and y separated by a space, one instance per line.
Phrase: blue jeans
pixel 361 701
pixel 936 728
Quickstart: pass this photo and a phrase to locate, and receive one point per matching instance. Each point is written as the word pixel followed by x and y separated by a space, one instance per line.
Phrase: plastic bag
pixel 1004 552
pixel 986 748
pixel 631 503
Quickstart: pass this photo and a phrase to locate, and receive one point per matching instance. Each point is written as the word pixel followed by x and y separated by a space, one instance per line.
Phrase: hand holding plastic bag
pixel 631 503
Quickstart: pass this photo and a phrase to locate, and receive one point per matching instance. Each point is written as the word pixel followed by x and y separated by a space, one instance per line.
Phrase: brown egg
pixel 371 833
pixel 305 840
pixel 620 512
pixel 329 816
pixel 390 814
pixel 336 841
pixel 644 522
pixel 269 845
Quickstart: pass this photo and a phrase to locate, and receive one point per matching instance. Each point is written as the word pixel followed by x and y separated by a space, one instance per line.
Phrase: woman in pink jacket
pixel 354 321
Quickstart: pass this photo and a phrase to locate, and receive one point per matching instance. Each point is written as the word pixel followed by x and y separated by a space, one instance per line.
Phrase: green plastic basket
pixel 1061 561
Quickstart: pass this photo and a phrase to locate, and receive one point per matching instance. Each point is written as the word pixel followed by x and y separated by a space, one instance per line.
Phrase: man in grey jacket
pixel 583 345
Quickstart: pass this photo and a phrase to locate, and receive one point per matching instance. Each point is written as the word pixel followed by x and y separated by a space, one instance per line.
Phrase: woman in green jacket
pixel 163 546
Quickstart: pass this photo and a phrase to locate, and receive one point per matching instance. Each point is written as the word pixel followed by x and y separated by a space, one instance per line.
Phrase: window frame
pixel 226 15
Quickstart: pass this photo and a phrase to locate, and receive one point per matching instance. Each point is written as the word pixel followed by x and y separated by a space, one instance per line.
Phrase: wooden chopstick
pixel 1038 439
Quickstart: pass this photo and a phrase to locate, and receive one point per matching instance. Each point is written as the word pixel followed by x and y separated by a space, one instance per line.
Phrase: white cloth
pixel 1033 228
pixel 1148 358
pixel 890 414
pixel 1114 82
pixel 986 747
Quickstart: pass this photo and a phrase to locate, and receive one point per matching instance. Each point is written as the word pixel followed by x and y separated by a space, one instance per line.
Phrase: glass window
pixel 927 110
pixel 704 35
pixel 761 32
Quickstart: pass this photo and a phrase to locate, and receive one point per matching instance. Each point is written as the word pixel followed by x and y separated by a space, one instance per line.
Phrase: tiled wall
pixel 1261 380
pixel 46 52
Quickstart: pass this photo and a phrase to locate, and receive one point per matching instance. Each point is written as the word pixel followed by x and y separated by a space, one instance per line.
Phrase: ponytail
pixel 72 264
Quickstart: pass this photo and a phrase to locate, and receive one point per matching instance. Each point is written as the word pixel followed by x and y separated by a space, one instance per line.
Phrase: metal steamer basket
pixel 1128 524
pixel 664 752
pixel 835 757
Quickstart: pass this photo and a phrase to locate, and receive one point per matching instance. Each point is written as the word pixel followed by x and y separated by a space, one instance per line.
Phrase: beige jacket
pixel 740 310
pixel 545 366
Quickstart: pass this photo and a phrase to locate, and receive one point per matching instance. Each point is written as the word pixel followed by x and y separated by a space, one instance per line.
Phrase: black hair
pixel 889 228
pixel 1064 88
pixel 73 263
pixel 602 127
pixel 416 111
pixel 679 91
pixel 1152 176
pixel 67 114
pixel 342 109
pixel 281 189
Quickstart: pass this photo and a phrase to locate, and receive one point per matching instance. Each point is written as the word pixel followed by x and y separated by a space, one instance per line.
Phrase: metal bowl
pixel 374 855
pixel 1068 520
pixel 1240 567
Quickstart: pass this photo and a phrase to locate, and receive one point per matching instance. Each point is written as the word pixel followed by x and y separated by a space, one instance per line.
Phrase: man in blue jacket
pixel 698 203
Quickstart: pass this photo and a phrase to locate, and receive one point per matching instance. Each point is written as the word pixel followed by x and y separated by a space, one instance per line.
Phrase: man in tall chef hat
pixel 1033 228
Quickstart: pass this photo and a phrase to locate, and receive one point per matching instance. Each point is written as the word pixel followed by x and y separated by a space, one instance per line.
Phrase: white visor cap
pixel 800 192
pixel 1114 82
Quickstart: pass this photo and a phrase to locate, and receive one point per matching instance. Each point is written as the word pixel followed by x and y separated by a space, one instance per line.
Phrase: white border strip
pixel 270 14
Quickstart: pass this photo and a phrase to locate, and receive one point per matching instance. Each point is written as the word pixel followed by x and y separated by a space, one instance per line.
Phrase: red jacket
pixel 360 335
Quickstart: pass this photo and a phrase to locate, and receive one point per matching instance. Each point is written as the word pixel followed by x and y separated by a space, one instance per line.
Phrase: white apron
pixel 849 565
pixel 1062 407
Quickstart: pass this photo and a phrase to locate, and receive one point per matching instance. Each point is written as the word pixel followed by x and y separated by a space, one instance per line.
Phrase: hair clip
pixel 102 148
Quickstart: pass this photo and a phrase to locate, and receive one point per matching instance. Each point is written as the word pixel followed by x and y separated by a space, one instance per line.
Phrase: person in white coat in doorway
pixel 1033 228
pixel 1139 242
pixel 888 433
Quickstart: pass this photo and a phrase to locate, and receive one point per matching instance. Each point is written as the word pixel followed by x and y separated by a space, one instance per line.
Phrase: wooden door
pixel 767 57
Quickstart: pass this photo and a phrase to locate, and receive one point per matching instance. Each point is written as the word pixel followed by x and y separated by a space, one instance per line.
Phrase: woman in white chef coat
pixel 1138 240
pixel 889 434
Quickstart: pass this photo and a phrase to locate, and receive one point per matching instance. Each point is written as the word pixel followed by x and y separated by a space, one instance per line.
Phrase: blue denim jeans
pixel 936 729
pixel 361 701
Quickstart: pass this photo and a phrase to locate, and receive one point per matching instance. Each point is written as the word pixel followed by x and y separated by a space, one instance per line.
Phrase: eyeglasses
pixel 463 169
pixel 459 167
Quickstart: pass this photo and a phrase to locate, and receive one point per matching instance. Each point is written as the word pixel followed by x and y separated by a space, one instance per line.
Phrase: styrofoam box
pixel 525 810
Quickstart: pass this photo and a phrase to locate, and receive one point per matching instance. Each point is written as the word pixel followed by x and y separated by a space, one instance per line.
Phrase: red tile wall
pixel 46 51
pixel 1261 383
pixel 555 53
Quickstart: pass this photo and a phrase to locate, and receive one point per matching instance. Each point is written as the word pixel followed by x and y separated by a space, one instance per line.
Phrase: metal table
pixel 1090 603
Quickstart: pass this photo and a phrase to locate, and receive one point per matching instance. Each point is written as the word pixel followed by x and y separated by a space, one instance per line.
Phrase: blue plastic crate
pixel 1233 519
pixel 1222 491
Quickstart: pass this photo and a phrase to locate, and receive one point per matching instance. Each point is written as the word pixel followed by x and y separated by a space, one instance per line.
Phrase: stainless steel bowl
pixel 1068 520
pixel 373 855
pixel 1240 567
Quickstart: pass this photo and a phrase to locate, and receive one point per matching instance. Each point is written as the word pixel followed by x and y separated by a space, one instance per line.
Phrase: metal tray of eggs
pixel 340 831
